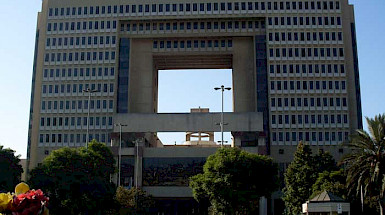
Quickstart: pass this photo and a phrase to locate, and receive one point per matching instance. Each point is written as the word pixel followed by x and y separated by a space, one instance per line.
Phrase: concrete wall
pixel 182 122
pixel 145 63
pixel 244 82
pixel 325 207
pixel 175 152
pixel 169 192
pixel 288 152
pixel 23 163
pixel 141 86
pixel 348 19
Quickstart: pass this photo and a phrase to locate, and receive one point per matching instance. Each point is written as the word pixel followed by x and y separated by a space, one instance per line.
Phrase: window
pixel 243 5
pixel 287 119
pixel 195 7
pixel 287 136
pixel 280 136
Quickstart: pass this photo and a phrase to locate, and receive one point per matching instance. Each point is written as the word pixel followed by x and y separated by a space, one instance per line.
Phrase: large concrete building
pixel 294 70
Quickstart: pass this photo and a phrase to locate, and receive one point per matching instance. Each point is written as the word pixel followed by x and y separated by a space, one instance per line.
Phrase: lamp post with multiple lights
pixel 120 150
pixel 221 124
pixel 89 91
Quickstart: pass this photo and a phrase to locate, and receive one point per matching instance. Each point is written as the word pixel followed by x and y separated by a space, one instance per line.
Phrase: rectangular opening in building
pixel 185 91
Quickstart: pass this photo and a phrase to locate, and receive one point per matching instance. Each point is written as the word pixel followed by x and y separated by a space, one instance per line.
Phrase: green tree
pixel 332 181
pixel 324 161
pixel 299 178
pixel 232 181
pixel 301 174
pixel 134 201
pixel 77 180
pixel 10 169
pixel 366 164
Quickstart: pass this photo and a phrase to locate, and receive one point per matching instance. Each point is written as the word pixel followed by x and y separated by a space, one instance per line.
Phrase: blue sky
pixel 17 37
pixel 180 90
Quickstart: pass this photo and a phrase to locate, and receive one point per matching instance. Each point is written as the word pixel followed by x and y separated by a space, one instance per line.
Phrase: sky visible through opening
pixel 181 90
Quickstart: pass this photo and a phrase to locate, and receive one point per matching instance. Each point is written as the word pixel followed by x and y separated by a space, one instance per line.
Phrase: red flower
pixel 29 203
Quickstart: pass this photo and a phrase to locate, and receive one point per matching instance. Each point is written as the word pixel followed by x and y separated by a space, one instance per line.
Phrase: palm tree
pixel 366 164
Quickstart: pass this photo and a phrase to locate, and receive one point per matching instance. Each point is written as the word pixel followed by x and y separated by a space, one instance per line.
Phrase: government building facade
pixel 95 76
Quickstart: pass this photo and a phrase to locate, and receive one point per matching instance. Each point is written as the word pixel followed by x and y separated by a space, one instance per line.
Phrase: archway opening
pixel 179 91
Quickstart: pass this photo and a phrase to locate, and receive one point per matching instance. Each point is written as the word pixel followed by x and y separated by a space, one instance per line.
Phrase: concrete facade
pixel 294 66
pixel 181 122
pixel 304 80
pixel 23 163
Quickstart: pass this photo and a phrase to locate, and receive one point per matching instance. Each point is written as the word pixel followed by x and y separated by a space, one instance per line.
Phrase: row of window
pixel 72 26
pixel 305 21
pixel 80 41
pixel 307 68
pixel 312 5
pixel 74 88
pixel 308 85
pixel 79 72
pixel 181 26
pixel 229 25
pixel 79 56
pixel 195 7
pixel 77 105
pixel 306 52
pixel 305 36
pixel 74 121
pixel 73 138
pixel 192 44
pixel 306 102
pixel 314 119
pixel 310 136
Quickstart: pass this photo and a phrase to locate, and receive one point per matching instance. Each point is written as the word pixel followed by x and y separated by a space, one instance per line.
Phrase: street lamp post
pixel 222 88
pixel 137 170
pixel 136 162
pixel 89 91
pixel 120 150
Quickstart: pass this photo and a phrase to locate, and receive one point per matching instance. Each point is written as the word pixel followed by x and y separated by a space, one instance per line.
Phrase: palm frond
pixel 365 166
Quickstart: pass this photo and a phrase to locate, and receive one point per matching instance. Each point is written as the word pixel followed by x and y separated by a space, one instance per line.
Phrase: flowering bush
pixel 5 201
pixel 23 202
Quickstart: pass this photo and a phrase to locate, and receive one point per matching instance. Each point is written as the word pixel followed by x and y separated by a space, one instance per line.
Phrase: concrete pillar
pixel 263 206
pixel 244 88
pixel 141 79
